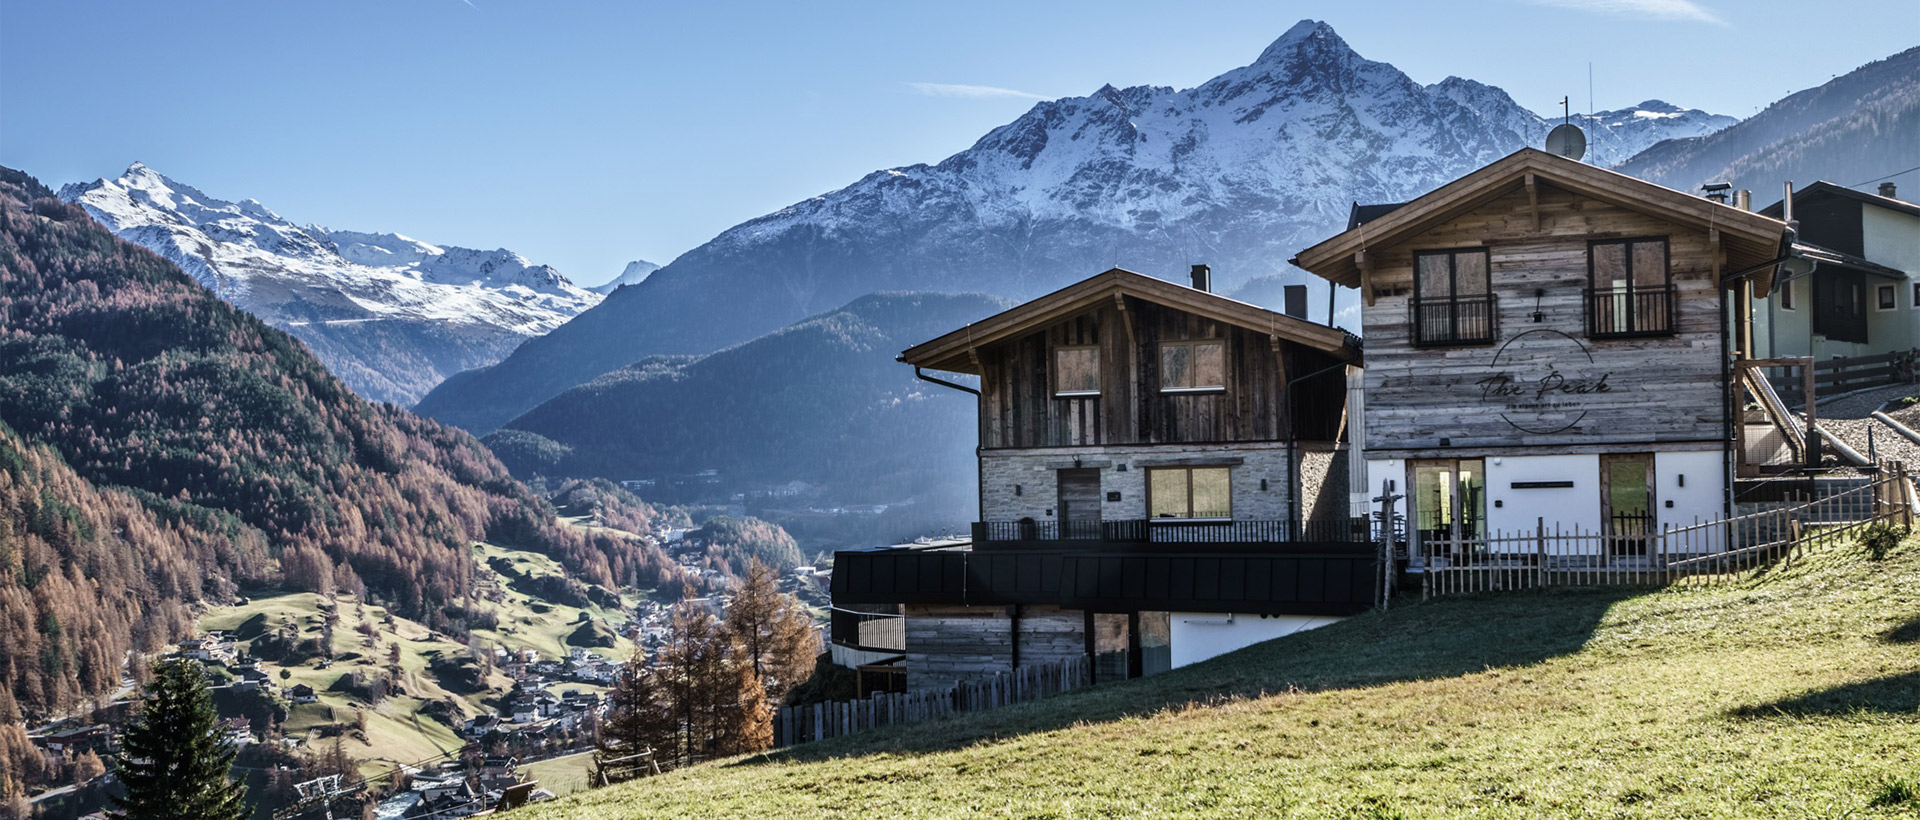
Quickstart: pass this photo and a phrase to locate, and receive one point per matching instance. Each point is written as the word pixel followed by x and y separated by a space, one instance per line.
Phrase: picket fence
pixel 1703 552
pixel 819 721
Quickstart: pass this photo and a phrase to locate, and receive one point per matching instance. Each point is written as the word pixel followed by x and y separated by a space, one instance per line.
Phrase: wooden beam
pixel 1126 319
pixel 1365 265
pixel 1533 203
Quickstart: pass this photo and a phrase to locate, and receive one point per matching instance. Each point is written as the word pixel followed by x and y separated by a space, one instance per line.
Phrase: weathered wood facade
pixel 1019 408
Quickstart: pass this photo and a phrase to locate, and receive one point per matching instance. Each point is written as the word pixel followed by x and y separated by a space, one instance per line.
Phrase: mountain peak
pixel 1306 38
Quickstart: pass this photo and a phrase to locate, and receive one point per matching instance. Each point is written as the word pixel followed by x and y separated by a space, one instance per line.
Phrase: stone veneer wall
pixel 1033 472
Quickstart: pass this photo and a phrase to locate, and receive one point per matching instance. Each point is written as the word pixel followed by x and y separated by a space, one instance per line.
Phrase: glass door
pixel 1449 507
pixel 1626 502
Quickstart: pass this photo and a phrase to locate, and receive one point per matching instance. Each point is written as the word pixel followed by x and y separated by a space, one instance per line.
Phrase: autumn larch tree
pixel 773 630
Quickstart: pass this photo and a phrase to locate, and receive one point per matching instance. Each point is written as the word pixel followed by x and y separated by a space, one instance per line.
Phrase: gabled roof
pixel 953 351
pixel 1750 239
pixel 1362 214
pixel 1824 188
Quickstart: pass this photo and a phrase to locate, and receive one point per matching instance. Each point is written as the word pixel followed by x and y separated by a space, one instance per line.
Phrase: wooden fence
pixel 1835 376
pixel 819 721
pixel 1703 552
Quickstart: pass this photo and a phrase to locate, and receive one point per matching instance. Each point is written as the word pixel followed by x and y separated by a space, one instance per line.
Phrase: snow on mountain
pixel 391 315
pixel 1239 172
pixel 636 272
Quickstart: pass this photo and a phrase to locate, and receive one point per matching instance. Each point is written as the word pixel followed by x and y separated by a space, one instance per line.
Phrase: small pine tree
pixel 639 718
pixel 175 756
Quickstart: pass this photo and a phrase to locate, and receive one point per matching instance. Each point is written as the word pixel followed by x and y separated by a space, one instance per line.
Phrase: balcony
pixel 1145 534
pixel 1251 567
pixel 1459 320
pixel 1616 314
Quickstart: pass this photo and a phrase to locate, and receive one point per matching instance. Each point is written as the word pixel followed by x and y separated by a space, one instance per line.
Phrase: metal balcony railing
pixel 1639 312
pixel 1064 534
pixel 1455 321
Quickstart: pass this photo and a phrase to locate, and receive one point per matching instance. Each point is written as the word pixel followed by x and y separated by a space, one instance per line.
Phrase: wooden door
pixel 1079 503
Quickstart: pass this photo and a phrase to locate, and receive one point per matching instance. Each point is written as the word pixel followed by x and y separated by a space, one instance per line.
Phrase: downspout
pixel 1726 407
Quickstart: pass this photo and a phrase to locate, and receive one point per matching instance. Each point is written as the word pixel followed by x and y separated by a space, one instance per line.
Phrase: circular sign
pixel 1534 393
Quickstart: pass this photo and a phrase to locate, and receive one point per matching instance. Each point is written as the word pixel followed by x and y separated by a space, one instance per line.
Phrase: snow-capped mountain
pixel 390 315
pixel 637 271
pixel 1239 172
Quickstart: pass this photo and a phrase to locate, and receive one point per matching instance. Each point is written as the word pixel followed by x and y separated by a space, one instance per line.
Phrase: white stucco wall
pixel 1512 512
pixel 1702 496
pixel 1197 636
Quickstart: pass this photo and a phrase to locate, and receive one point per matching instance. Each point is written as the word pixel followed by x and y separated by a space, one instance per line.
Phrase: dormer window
pixel 1076 371
pixel 1193 367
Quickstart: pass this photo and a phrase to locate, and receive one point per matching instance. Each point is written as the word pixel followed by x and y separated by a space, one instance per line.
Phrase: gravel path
pixel 1850 417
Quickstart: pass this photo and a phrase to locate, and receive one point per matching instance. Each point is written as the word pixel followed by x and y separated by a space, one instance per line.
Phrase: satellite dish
pixel 1567 140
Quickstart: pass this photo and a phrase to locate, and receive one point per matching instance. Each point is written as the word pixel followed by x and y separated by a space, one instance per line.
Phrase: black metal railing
pixel 1171 531
pixel 1639 312
pixel 1454 321
pixel 878 631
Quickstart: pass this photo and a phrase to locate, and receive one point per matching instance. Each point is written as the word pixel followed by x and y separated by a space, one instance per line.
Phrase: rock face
pixel 1860 126
pixel 1239 172
pixel 390 315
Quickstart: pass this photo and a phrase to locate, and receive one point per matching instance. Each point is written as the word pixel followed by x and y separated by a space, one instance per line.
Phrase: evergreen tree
pixel 773 630
pixel 175 756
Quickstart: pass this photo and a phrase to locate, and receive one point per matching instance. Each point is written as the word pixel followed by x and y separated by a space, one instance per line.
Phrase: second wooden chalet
pixel 1162 478
pixel 1551 344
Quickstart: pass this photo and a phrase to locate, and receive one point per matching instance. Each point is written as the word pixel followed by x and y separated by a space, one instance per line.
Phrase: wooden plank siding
pixel 1019 409
pixel 1660 388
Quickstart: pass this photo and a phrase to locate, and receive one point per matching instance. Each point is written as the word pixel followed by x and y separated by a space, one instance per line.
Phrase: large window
pixel 1190 492
pixel 1630 288
pixel 1452 297
pixel 1193 367
pixel 1076 371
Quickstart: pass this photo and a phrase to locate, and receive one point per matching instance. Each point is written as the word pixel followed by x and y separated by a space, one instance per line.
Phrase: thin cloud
pixel 973 92
pixel 1685 10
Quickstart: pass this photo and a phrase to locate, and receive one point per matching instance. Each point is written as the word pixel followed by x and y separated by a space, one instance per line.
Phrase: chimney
pixel 1743 199
pixel 1716 191
pixel 1203 278
pixel 1296 296
pixel 1887 189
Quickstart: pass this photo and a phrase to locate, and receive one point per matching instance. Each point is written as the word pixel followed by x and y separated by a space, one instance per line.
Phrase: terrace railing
pixel 819 721
pixel 1059 534
pixel 1702 552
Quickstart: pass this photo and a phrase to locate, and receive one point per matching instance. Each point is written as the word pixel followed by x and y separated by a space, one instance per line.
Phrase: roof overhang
pixel 955 351
pixel 1749 239
pixel 1830 258
pixel 1823 189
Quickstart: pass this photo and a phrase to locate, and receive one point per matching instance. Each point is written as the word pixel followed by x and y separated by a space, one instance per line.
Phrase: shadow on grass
pixel 1908 632
pixel 1891 695
pixel 1413 642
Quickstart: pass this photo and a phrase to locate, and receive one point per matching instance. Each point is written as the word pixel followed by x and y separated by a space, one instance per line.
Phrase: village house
pixel 211 648
pixel 1162 479
pixel 1551 347
pixel 1862 297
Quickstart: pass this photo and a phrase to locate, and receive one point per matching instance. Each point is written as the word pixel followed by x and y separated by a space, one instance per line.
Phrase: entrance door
pixel 1626 502
pixel 1449 506
pixel 1079 503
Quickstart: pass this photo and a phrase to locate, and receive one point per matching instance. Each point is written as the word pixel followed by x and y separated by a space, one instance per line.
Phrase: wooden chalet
pixel 1162 478
pixel 1550 347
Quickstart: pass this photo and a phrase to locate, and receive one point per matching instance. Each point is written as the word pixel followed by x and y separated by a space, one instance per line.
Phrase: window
pixel 1076 371
pixel 1786 295
pixel 1452 297
pixel 1916 295
pixel 1886 297
pixel 1630 288
pixel 1189 492
pixel 1193 367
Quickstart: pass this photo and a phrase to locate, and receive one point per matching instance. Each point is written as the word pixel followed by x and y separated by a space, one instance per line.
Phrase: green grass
pixel 523 625
pixel 561 775
pixel 1794 695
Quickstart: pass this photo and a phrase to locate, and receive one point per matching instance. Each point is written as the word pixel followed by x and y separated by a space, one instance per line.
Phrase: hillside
pixel 390 315
pixel 1857 127
pixel 1794 695
pixel 873 434
pixel 147 406
pixel 1239 172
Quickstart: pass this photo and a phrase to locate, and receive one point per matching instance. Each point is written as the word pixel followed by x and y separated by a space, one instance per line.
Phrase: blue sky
pixel 584 134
